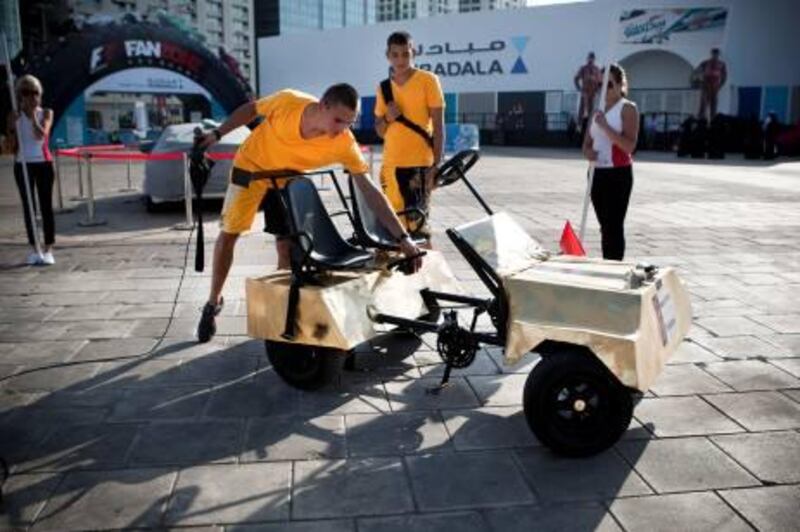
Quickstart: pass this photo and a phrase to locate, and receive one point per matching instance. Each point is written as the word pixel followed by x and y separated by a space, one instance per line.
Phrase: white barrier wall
pixel 533 49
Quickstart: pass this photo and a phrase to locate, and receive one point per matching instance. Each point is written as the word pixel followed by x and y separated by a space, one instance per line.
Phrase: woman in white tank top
pixel 30 131
pixel 609 143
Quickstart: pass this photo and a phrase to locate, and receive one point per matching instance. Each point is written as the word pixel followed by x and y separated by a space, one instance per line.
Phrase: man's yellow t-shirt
pixel 420 93
pixel 276 143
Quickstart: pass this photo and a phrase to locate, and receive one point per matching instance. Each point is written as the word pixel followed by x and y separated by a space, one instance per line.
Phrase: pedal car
pixel 603 329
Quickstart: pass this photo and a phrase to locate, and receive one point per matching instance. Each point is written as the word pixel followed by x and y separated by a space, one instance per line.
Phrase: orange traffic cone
pixel 570 243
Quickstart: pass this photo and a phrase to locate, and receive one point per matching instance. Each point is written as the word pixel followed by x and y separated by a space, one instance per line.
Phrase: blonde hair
pixel 619 75
pixel 28 82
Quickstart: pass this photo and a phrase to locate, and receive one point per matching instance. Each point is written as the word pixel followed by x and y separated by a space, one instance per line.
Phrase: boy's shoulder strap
pixel 388 97
pixel 386 91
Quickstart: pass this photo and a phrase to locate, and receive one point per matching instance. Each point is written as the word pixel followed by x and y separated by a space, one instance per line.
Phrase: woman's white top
pixel 33 149
pixel 609 155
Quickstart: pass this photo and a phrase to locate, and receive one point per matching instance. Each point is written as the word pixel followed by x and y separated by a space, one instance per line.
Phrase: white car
pixel 164 180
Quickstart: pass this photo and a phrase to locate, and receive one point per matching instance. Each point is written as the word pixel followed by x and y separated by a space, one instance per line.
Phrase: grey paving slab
pixel 769 509
pixel 24 496
pixel 524 365
pixel 789 342
pixel 733 326
pixel 770 456
pixel 414 394
pixel 681 511
pixel 600 477
pixel 353 394
pixel 743 347
pixel 791 365
pixel 32 354
pixel 114 349
pixel 489 428
pixel 107 499
pixel 452 481
pixel 499 390
pixel 759 410
pixel 338 488
pixel 686 379
pixel 691 352
pixel 294 438
pixel 323 525
pixel 577 517
pixel 263 396
pixel 187 442
pixel 794 394
pixel 85 312
pixel 52 378
pixel 751 375
pixel 683 416
pixel 685 464
pixel 396 434
pixel 463 522
pixel 160 402
pixel 72 447
pixel 782 323
pixel 223 494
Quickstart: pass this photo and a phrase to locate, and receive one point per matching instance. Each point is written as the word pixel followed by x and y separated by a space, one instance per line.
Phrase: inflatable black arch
pixel 74 62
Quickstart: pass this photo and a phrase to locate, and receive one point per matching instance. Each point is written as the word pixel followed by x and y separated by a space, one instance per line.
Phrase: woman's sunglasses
pixel 29 92
pixel 611 85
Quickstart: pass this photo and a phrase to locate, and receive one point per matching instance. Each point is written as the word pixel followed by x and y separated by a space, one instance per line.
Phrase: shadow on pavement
pixel 105 449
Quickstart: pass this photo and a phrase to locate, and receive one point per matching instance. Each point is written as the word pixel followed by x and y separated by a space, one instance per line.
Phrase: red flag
pixel 570 243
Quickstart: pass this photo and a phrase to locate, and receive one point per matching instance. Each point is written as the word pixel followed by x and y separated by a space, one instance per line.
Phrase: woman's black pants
pixel 41 178
pixel 611 191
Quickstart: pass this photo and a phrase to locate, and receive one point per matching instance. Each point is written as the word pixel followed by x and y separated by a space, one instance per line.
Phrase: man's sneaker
pixel 33 259
pixel 208 323
pixel 48 258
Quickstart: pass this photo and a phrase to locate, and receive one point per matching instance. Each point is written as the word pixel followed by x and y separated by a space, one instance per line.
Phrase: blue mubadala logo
pixel 519 43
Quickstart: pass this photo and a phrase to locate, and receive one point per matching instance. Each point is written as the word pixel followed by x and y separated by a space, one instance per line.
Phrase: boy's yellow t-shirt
pixel 276 143
pixel 420 93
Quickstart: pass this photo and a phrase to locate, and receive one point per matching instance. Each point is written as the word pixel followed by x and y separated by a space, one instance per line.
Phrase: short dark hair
pixel 591 54
pixel 400 38
pixel 715 51
pixel 341 94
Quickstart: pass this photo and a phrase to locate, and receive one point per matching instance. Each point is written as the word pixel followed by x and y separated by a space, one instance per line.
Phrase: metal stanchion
pixel 130 186
pixel 60 193
pixel 81 196
pixel 90 219
pixel 187 198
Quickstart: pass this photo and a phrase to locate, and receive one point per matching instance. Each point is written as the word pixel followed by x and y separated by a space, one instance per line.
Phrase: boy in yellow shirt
pixel 412 126
pixel 298 134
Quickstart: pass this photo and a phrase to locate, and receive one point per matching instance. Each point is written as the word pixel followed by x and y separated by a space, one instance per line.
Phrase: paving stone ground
pixel 112 416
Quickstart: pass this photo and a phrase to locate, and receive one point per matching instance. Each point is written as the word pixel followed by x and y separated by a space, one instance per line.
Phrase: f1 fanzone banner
pixel 674 26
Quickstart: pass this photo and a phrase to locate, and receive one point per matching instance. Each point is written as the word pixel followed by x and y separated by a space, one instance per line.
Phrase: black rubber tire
pixel 575 405
pixel 305 367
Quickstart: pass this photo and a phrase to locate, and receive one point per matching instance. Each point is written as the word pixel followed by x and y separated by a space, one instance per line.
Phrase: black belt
pixel 243 177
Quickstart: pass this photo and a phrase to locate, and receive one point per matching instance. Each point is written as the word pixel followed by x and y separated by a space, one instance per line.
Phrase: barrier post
pixel 128 170
pixel 187 197
pixel 59 191
pixel 90 220
pixel 81 195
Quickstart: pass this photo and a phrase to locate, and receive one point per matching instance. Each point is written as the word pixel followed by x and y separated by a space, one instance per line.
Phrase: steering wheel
pixel 458 165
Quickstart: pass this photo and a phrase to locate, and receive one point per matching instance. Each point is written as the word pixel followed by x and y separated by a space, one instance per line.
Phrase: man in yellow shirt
pixel 298 134
pixel 412 126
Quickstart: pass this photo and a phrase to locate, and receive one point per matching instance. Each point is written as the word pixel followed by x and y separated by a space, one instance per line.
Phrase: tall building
pixel 282 17
pixel 227 24
pixel 411 9
pixel 10 26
